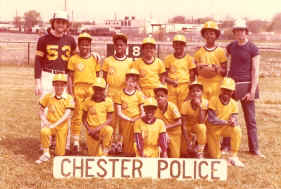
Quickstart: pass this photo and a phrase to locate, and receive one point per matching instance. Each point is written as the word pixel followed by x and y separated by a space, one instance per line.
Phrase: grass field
pixel 19 143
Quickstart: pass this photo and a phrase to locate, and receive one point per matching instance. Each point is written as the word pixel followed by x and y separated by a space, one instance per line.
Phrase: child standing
pixel 129 109
pixel 83 69
pixel 150 132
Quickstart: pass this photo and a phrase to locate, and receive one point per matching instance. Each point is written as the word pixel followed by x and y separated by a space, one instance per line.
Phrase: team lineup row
pixel 178 104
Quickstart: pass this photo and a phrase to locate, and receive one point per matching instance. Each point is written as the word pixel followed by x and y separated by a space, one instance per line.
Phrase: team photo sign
pixel 155 168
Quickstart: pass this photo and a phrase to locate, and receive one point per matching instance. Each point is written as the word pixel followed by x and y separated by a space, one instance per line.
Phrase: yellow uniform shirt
pixel 179 68
pixel 223 112
pixel 172 113
pixel 116 70
pixel 149 73
pixel 56 107
pixel 97 111
pixel 84 69
pixel 217 56
pixel 130 103
pixel 150 132
pixel 192 115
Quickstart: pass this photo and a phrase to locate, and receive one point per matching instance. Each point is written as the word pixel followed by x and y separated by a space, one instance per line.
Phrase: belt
pixel 54 71
pixel 242 82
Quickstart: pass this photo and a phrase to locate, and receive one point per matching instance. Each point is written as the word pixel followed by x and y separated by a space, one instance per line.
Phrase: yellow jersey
pixel 97 111
pixel 116 70
pixel 172 113
pixel 150 132
pixel 84 69
pixel 56 106
pixel 130 104
pixel 179 67
pixel 223 112
pixel 149 73
pixel 192 115
pixel 216 56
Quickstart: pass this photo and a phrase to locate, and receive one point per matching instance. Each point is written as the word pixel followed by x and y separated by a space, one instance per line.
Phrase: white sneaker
pixel 235 162
pixel 43 158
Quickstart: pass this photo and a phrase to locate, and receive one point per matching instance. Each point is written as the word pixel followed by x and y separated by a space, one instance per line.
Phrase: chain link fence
pixel 23 53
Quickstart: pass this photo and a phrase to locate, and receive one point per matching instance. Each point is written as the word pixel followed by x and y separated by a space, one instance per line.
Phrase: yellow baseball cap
pixel 149 40
pixel 100 82
pixel 195 83
pixel 180 38
pixel 150 102
pixel 133 71
pixel 84 35
pixel 161 87
pixel 211 25
pixel 60 77
pixel 228 83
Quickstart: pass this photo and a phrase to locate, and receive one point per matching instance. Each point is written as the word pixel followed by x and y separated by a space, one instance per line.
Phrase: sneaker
pixel 225 151
pixel 67 152
pixel 43 158
pixel 258 154
pixel 235 162
pixel 52 146
pixel 199 155
pixel 76 149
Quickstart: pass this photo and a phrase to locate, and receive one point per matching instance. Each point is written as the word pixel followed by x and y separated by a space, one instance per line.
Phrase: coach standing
pixel 244 69
pixel 52 54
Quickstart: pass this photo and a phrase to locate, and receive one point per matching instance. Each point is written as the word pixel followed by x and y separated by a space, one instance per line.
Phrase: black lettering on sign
pixel 113 166
pixel 137 168
pixel 123 168
pixel 77 167
pixel 102 168
pixel 62 167
pixel 88 167
pixel 175 165
pixel 213 170
pixel 161 168
pixel 200 169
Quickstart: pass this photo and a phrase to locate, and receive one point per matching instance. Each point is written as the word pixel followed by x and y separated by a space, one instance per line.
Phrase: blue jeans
pixel 249 110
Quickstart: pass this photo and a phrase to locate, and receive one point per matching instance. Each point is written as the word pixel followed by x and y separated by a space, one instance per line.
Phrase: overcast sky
pixel 158 9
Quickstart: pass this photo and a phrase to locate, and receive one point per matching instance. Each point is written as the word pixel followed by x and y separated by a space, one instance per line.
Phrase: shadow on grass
pixel 26 146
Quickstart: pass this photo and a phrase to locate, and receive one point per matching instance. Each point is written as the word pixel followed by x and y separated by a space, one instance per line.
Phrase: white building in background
pixel 183 28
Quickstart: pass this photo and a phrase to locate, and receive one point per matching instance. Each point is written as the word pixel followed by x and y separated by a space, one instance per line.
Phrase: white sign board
pixel 155 168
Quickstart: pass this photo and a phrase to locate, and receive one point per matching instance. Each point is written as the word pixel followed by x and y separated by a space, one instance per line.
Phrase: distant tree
pixel 17 22
pixel 257 26
pixel 203 20
pixel 178 20
pixel 276 23
pixel 32 18
pixel 227 23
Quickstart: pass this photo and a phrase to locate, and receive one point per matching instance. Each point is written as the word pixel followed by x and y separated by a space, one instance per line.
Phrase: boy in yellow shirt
pixel 129 108
pixel 180 70
pixel 97 116
pixel 212 57
pixel 223 122
pixel 59 105
pixel 83 69
pixel 169 113
pixel 150 132
pixel 152 69
pixel 194 114
pixel 115 68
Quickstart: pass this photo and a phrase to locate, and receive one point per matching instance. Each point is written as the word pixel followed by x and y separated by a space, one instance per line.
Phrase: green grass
pixel 19 144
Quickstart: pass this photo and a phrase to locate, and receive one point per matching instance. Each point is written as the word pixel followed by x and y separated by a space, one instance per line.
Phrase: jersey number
pixel 53 52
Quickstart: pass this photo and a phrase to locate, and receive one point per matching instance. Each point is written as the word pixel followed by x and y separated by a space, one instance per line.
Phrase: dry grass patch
pixel 19 144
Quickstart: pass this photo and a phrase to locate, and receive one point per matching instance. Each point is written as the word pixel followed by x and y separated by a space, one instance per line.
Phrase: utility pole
pixel 65 5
